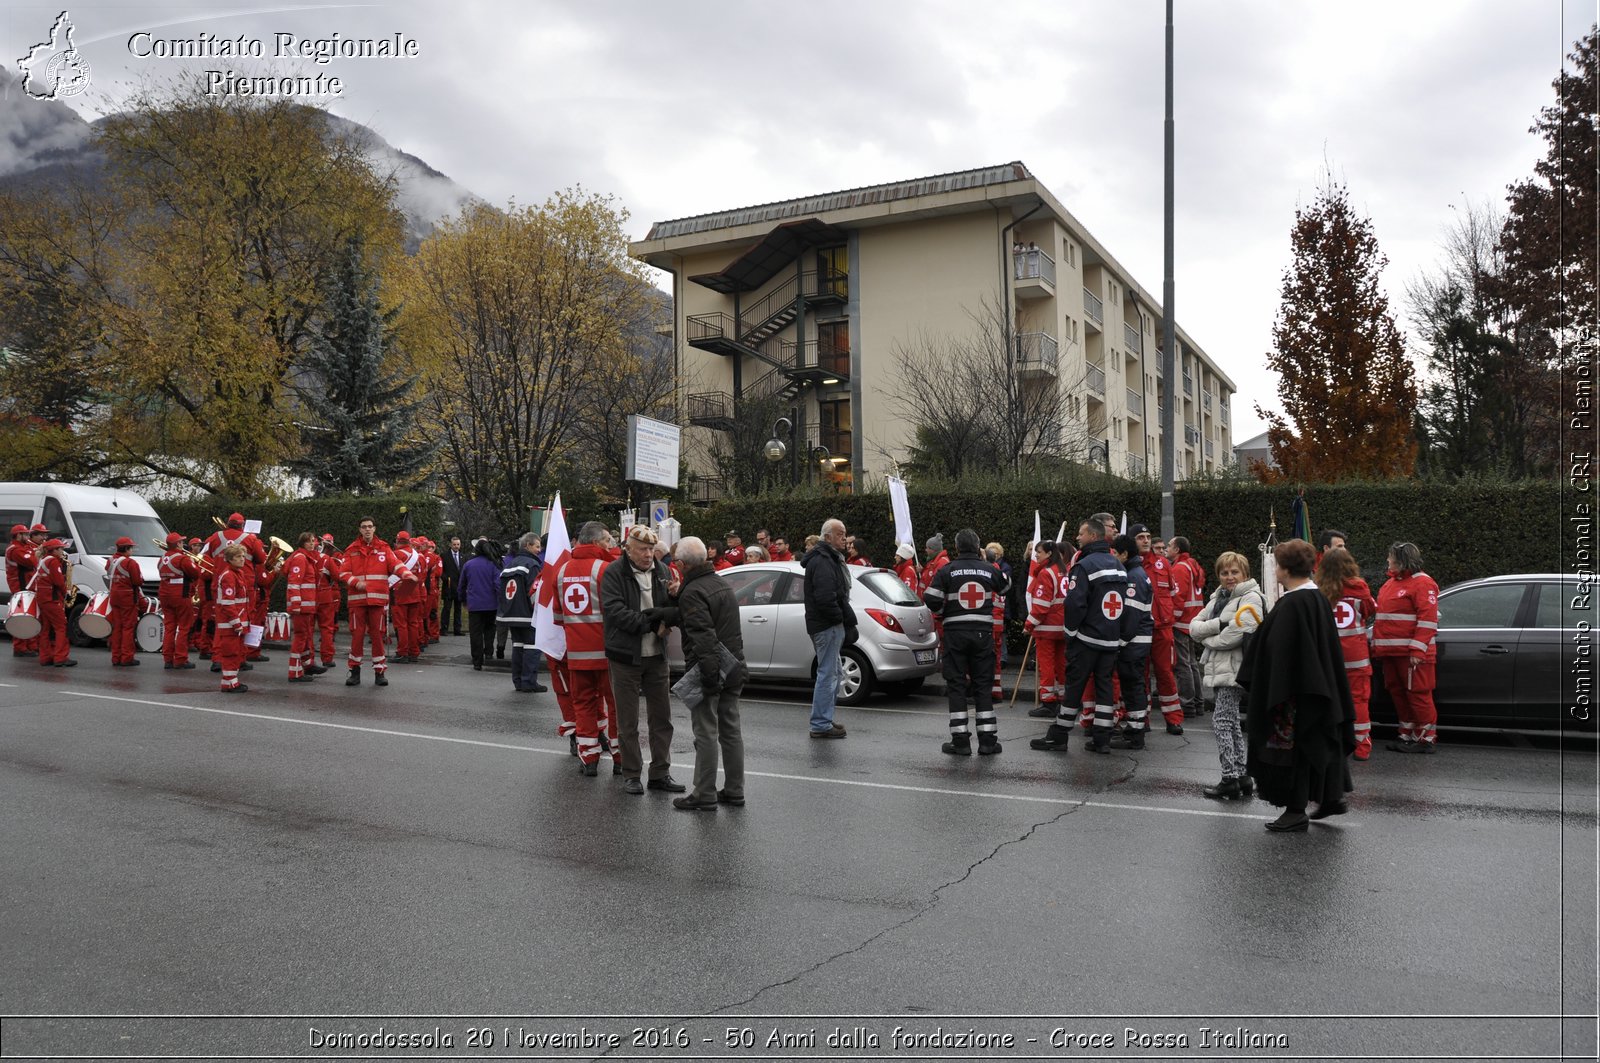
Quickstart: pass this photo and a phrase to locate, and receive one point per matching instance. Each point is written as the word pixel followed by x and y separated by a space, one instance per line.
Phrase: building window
pixel 833 347
pixel 834 418
pixel 833 271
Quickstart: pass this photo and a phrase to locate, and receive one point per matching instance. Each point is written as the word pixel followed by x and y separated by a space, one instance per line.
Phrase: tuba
pixel 72 590
pixel 280 549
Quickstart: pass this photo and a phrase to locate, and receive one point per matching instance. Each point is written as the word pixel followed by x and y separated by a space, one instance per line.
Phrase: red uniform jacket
pixel 906 569
pixel 1188 590
pixel 20 563
pixel 1046 619
pixel 409 559
pixel 50 580
pixel 1163 610
pixel 232 598
pixel 125 581
pixel 578 606
pixel 177 572
pixel 1407 617
pixel 1350 615
pixel 367 571
pixel 329 568
pixel 925 580
pixel 301 575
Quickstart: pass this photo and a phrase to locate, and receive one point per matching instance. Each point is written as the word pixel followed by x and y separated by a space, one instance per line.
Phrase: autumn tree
pixel 361 430
pixel 512 313
pixel 230 213
pixel 1346 386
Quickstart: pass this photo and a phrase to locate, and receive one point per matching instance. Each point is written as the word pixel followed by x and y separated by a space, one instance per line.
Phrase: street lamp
pixel 1101 452
pixel 776 449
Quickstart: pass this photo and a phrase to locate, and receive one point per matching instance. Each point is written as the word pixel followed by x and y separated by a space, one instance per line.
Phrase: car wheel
pixel 75 635
pixel 856 680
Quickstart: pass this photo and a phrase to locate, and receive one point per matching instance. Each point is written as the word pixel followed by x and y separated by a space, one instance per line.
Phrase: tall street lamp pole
pixel 1169 333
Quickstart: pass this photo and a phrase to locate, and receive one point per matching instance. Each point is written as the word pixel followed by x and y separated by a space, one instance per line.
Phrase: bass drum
pixel 148 632
pixel 23 619
pixel 95 620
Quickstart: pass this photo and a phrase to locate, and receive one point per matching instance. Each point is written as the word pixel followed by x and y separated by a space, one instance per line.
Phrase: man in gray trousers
pixel 634 593
pixel 709 615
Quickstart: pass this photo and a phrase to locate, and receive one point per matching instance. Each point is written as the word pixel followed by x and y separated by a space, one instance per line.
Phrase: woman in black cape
pixel 1301 725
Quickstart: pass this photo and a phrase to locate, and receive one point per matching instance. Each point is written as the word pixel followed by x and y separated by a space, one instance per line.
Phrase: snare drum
pixel 148 632
pixel 22 621
pixel 277 627
pixel 95 620
pixel 149 605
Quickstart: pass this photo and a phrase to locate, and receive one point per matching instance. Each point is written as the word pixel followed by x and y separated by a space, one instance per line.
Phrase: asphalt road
pixel 311 853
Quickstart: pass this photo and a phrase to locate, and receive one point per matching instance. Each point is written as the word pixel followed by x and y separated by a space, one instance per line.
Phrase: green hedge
pixel 287 520
pixel 1464 530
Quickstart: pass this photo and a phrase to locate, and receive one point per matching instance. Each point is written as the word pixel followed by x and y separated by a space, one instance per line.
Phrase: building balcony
pixel 1137 467
pixel 709 409
pixel 1131 339
pixel 715 332
pixel 1188 384
pixel 704 489
pixel 1096 379
pixel 1205 401
pixel 1094 312
pixel 1191 436
pixel 1135 404
pixel 1038 354
pixel 1035 274
pixel 817 363
pixel 1211 448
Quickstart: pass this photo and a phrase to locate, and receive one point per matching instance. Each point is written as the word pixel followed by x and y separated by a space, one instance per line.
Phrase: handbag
pixel 689 690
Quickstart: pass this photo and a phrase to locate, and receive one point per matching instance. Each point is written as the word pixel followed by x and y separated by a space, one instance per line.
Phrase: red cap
pixel 403 537
pixel 174 538
pixel 124 541
pixel 236 518
pixel 54 544
pixel 327 537
pixel 19 529
pixel 40 528
pixel 194 540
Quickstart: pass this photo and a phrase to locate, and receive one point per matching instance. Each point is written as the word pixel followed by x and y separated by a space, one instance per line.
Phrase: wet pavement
pixel 428 849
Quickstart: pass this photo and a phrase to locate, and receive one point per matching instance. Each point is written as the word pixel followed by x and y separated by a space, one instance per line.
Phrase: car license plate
pixel 924 656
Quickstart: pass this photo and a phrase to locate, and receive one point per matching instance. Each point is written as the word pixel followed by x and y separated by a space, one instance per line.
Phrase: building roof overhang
pixel 777 249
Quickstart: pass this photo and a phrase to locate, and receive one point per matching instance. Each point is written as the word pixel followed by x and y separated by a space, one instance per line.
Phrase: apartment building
pixel 808 299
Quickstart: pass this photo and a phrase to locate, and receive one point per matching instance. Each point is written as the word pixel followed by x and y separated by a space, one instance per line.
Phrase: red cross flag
pixel 972 595
pixel 548 635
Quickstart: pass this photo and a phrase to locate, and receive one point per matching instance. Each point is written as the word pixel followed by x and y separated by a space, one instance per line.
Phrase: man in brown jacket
pixel 709 615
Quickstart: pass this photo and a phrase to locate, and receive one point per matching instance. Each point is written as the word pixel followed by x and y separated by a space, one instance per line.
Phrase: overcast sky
pixel 680 108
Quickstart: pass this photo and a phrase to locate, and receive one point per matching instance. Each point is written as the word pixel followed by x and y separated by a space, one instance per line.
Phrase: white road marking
pixel 563 752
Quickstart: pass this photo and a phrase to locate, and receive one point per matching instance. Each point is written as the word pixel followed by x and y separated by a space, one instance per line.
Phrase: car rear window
pixel 1494 605
pixel 1564 607
pixel 889 587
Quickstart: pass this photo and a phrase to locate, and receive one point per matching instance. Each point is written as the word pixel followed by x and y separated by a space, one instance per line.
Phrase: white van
pixel 93 518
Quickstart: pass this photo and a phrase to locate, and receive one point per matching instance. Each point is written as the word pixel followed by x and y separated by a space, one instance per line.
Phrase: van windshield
pixel 98 532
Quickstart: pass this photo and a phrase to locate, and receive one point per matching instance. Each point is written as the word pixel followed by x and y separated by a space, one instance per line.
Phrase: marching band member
pixel 126 583
pixel 178 574
pixel 50 585
pixel 232 599
pixel 22 558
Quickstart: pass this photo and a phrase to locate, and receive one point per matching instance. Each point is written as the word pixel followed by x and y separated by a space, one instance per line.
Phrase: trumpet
pixel 218 521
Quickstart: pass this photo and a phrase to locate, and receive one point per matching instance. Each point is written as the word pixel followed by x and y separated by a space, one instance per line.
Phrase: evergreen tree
pixel 1344 379
pixel 362 434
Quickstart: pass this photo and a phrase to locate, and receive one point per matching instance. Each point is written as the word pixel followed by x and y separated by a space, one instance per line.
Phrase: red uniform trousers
pixel 52 632
pixel 408 627
pixel 430 620
pixel 303 630
pixel 1361 694
pixel 593 710
pixel 176 620
pixel 327 624
pixel 1412 694
pixel 364 619
pixel 999 651
pixel 227 650
pixel 1052 668
pixel 1163 658
pixel 203 637
pixel 124 623
pixel 258 618
pixel 561 683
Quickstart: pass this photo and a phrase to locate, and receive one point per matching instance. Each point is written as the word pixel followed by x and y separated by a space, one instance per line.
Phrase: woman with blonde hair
pixel 1234 612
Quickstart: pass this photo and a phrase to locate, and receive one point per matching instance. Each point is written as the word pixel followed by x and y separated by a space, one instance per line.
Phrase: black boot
pixel 355 678
pixel 1054 740
pixel 988 745
pixel 958 746
pixel 1247 786
pixel 572 744
pixel 379 679
pixel 1226 790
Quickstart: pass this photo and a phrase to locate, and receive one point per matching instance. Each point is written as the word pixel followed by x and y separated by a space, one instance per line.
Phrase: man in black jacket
pixel 517 582
pixel 962 595
pixel 709 616
pixel 830 622
pixel 634 592
pixel 449 603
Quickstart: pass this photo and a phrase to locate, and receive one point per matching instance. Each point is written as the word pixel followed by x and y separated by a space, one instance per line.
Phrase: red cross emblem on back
pixel 577 599
pixel 1344 614
pixel 1111 605
pixel 972 595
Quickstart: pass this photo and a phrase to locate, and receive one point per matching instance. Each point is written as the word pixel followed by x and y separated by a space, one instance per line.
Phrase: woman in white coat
pixel 1235 610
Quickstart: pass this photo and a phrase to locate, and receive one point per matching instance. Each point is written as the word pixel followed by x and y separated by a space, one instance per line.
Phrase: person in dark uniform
pixel 962 595
pixel 1137 631
pixel 1096 591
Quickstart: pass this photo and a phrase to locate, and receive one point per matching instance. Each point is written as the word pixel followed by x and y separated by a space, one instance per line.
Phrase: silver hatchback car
pixel 896 650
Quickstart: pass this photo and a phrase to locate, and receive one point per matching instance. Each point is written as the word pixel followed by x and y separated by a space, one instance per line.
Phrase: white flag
pixel 900 506
pixel 548 635
pixel 1124 522
pixel 1035 528
pixel 1061 536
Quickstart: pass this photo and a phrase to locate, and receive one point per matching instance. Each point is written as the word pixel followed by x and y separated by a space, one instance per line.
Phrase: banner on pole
pixel 901 507
pixel 547 634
